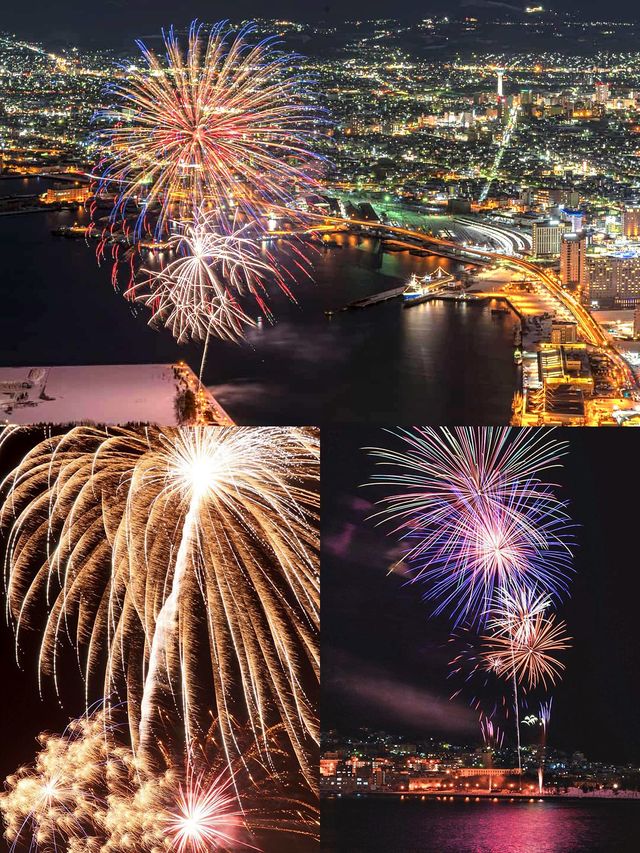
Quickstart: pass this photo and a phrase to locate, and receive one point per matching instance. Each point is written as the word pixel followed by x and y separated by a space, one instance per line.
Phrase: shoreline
pixel 629 796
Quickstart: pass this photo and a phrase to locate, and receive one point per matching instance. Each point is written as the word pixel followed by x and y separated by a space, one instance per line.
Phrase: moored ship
pixel 422 287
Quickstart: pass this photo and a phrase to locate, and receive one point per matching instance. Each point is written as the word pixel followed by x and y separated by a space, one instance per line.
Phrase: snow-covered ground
pixel 106 394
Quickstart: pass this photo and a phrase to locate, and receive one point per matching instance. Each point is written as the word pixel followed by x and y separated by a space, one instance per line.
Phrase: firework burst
pixel 199 294
pixel 185 558
pixel 86 792
pixel 206 816
pixel 225 121
pixel 475 516
pixel 527 650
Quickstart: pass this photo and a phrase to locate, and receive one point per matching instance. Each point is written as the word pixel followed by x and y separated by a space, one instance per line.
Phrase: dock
pixel 420 300
pixel 396 293
pixel 447 296
pixel 375 299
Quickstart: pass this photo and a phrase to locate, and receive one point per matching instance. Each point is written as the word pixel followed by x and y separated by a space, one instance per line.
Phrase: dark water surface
pixel 434 363
pixel 416 826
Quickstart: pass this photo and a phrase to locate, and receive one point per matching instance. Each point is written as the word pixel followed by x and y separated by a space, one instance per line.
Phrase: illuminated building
pixel 575 219
pixel 602 93
pixel 613 279
pixel 329 766
pixel 564 332
pixel 66 194
pixel 565 365
pixel 573 250
pixel 546 197
pixel 547 237
pixel 631 221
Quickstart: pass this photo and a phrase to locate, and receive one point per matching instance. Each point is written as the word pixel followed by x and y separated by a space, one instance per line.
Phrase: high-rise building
pixel 574 218
pixel 602 93
pixel 573 250
pixel 613 279
pixel 631 221
pixel 547 237
pixel 500 73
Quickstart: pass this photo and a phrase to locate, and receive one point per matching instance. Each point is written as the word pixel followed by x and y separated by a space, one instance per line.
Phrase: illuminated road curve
pixel 591 331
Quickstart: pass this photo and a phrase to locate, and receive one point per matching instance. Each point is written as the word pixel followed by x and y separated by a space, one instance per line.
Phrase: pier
pixel 375 299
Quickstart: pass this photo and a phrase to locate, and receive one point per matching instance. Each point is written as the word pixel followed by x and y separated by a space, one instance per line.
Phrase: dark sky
pixel 23 714
pixel 117 21
pixel 385 661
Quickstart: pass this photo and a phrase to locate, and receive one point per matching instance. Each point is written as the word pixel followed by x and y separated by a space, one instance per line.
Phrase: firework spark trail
pixel 492 735
pixel 475 516
pixel 165 627
pixel 167 548
pixel 545 716
pixel 226 122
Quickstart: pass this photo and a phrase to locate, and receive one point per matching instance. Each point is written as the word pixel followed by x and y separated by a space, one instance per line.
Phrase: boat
pixel 420 288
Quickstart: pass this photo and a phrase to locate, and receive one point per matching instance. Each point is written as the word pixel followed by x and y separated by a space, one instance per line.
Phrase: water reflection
pixel 416 826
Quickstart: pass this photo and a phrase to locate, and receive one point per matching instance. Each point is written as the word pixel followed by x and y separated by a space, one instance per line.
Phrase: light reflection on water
pixel 414 826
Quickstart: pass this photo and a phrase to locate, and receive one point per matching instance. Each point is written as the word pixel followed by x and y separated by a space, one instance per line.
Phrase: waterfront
pixel 436 363
pixel 379 825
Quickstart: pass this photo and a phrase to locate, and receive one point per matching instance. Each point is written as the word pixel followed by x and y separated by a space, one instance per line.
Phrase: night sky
pixel 116 22
pixel 385 661
pixel 23 713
